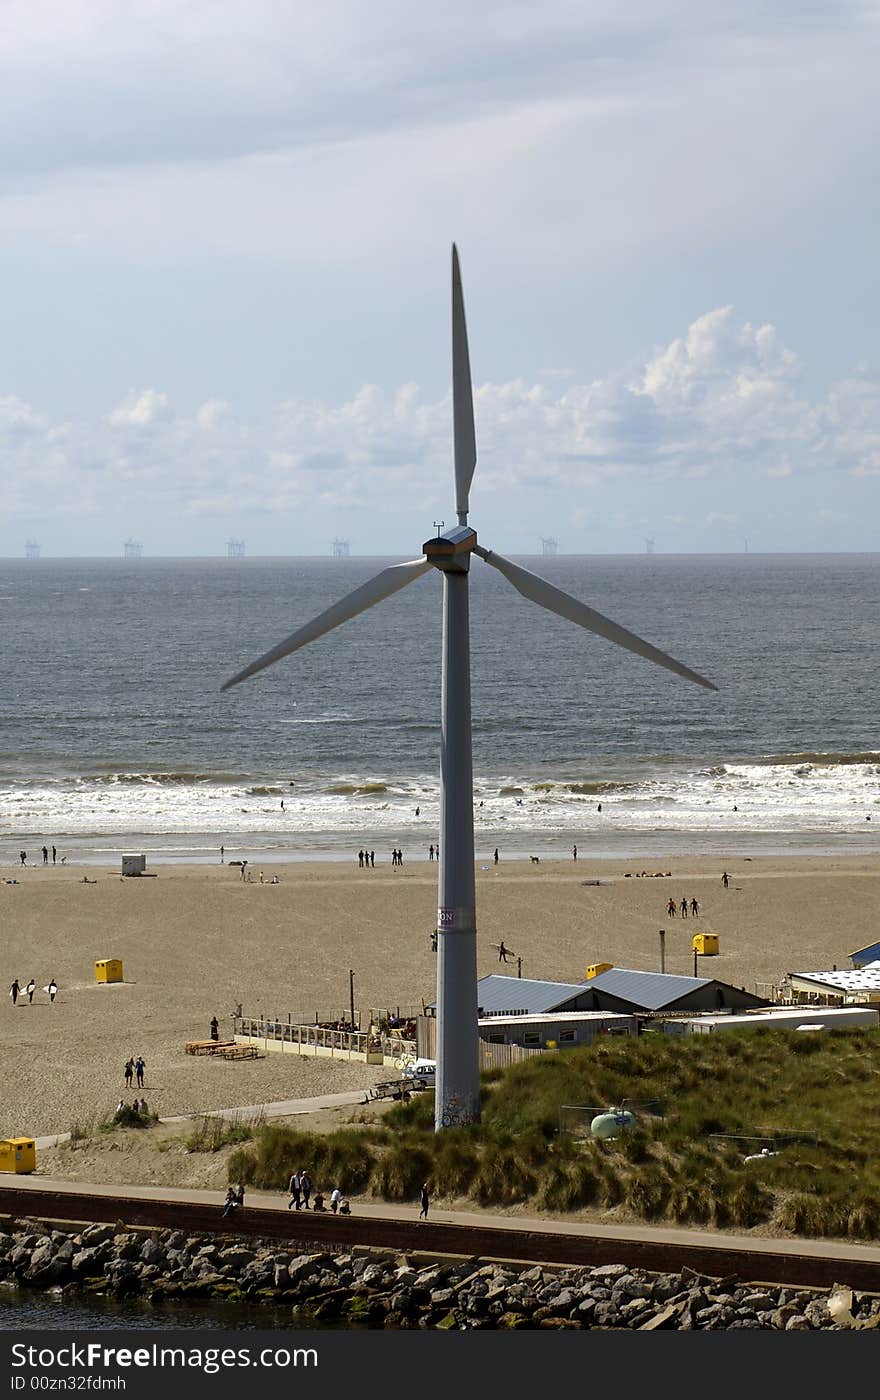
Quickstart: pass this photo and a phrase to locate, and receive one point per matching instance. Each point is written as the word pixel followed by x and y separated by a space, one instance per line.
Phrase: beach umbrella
pixel 450 552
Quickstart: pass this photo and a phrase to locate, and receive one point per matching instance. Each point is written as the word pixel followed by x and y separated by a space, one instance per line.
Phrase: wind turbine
pixel 450 551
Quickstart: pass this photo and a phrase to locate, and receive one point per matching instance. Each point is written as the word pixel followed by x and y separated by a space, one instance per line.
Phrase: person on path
pixel 684 908
pixel 14 991
pixel 305 1186
pixel 239 1194
pixel 425 1200
pixel 215 1028
pixel 129 1072
pixel 52 989
pixel 139 1067
pixel 231 1201
pixel 293 1188
pixel 335 1199
pixel 670 908
pixel 695 908
pixel 502 952
pixel 45 855
pixel 54 854
pixel 30 989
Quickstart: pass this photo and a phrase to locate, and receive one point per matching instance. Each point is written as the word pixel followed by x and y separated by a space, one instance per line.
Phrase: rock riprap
pixel 371 1288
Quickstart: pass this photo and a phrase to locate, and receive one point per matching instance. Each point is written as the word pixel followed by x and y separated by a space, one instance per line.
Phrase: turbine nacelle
pixel 451 550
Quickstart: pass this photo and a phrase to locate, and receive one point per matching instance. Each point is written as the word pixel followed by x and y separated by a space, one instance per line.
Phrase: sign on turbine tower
pixel 457 1097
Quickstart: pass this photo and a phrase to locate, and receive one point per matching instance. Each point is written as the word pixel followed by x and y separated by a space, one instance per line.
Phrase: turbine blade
pixel 538 590
pixel 462 398
pixel 373 591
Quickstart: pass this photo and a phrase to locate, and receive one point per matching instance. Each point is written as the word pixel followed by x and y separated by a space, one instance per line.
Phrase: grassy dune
pixel 825 1086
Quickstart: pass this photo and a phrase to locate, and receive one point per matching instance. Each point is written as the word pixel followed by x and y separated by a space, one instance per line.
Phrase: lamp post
pixel 351 994
pixel 662 950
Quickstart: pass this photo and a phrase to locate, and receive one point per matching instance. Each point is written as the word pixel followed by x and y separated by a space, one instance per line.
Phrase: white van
pixel 423 1073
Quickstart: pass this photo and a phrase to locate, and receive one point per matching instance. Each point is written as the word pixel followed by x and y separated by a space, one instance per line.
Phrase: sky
pixel 225 231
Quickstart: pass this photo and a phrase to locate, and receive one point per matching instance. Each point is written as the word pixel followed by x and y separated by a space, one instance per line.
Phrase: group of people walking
pixel 17 990
pixel 682 908
pixel 300 1191
pixel 134 1068
pixel 366 859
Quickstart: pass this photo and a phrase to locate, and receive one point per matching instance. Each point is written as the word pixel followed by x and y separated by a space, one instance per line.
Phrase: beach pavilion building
pixel 530 1013
pixel 859 986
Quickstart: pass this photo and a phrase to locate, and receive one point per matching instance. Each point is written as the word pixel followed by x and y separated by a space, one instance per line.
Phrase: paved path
pixel 268 1200
pixel 281 1108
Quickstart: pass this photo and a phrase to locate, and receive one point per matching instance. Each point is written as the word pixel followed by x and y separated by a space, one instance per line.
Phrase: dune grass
pixel 665 1168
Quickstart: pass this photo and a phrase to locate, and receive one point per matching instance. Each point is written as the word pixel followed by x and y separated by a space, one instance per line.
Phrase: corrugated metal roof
pixel 649 990
pixel 865 955
pixel 523 996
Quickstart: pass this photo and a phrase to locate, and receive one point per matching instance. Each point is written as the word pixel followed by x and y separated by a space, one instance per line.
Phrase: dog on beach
pixel 535 860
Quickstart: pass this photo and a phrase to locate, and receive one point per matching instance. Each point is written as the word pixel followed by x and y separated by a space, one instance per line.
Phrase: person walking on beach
pixel 222 853
pixel 725 879
pixel 293 1188
pixel 684 908
pixel 14 991
pixel 670 908
pixel 360 860
pixel 372 860
pixel 215 1028
pixel 139 1067
pixel 495 857
pixel 695 908
pixel 574 852
pixel 45 855
pixel 30 989
pixel 425 1200
pixel 22 855
pixel 305 1186
pixel 52 989
pixel 430 853
pixel 502 952
pixel 54 854
pixel 129 1072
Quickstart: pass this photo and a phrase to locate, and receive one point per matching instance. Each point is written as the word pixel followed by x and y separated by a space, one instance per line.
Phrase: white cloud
pixel 140 410
pixel 717 406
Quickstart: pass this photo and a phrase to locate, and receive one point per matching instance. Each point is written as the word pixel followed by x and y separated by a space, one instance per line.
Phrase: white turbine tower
pixel 458 1081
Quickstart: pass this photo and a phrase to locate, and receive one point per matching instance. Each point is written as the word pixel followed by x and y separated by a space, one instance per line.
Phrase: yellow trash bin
pixel 108 970
pixel 706 944
pixel 18 1154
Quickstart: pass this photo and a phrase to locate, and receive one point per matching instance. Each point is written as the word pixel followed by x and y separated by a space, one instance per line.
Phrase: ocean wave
pixel 818 760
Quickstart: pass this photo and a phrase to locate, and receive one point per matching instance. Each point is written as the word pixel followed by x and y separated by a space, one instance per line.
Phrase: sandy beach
pixel 196 941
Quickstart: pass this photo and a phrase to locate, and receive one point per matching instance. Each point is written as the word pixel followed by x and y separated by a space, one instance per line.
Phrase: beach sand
pixel 196 941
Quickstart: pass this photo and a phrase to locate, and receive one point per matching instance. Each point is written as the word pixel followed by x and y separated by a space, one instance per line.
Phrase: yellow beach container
pixel 109 970
pixel 595 969
pixel 18 1154
pixel 706 944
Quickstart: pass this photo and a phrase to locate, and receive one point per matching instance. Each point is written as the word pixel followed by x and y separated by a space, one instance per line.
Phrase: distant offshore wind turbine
pixel 458 1079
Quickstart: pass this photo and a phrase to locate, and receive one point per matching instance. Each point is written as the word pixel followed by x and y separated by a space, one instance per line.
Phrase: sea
pixel 115 737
